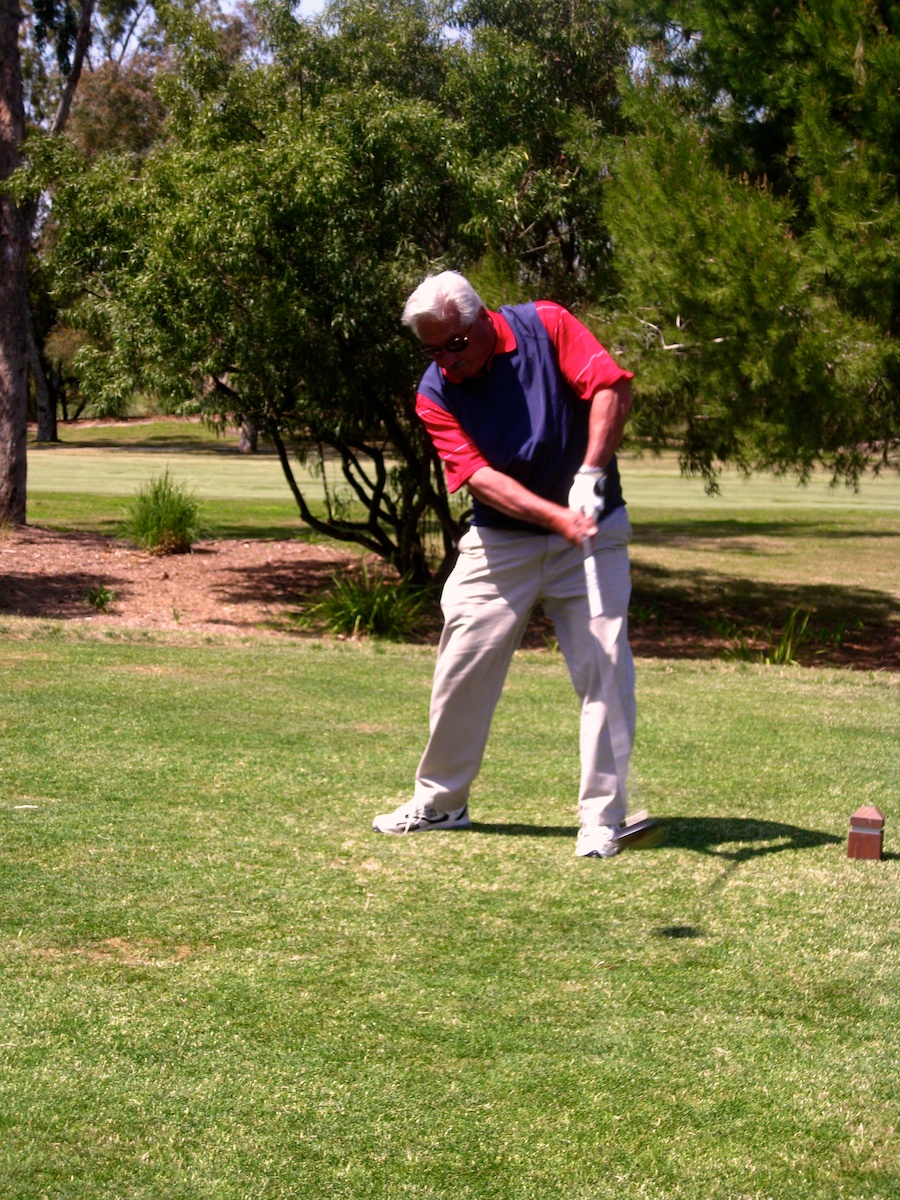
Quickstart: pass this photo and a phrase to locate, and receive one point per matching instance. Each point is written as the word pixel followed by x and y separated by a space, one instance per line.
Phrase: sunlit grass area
pixel 225 518
pixel 655 482
pixel 114 460
pixel 189 433
pixel 120 472
pixel 86 482
pixel 219 982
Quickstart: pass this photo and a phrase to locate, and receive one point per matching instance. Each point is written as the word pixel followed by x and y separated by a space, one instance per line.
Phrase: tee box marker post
pixel 866 833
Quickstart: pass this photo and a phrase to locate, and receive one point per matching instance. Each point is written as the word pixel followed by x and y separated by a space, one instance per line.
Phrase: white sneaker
pixel 596 841
pixel 413 818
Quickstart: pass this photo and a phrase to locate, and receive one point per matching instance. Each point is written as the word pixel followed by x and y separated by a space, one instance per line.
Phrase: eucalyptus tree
pixel 44 45
pixel 68 29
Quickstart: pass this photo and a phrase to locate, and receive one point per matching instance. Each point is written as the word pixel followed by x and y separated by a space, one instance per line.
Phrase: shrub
pixel 359 604
pixel 164 517
pixel 101 597
pixel 780 651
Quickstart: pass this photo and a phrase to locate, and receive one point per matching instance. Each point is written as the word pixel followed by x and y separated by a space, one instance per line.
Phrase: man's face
pixel 465 363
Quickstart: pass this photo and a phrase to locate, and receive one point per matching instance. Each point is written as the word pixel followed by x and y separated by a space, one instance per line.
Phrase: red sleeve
pixel 586 365
pixel 459 455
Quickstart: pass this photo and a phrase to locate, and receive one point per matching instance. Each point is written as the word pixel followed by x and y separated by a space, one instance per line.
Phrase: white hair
pixel 443 297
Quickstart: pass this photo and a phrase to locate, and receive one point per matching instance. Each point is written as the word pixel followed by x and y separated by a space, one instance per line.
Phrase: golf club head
pixel 640 832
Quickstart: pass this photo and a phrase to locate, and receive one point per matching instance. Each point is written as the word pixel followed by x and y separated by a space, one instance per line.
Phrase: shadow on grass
pixel 703 614
pixel 739 839
pixel 734 839
pixel 140 438
pixel 720 591
pixel 547 831
pixel 696 528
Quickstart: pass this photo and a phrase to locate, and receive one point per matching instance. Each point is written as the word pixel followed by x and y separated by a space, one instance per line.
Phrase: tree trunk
pixel 249 439
pixel 14 241
pixel 44 400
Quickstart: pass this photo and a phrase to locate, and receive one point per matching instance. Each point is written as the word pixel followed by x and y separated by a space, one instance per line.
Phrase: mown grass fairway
pixel 87 480
pixel 217 982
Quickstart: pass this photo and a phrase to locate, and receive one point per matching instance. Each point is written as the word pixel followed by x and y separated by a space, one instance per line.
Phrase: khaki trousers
pixel 487 600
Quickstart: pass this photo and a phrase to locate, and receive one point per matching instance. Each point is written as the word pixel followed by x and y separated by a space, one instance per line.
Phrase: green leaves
pixel 253 265
pixel 755 218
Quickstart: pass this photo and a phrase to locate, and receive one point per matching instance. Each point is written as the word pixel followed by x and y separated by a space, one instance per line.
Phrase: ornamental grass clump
pixel 361 604
pixel 164 517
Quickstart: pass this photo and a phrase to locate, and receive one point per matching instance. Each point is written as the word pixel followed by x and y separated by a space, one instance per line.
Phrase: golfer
pixel 526 407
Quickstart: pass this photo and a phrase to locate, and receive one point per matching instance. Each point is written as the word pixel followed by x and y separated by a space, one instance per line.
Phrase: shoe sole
pixel 611 853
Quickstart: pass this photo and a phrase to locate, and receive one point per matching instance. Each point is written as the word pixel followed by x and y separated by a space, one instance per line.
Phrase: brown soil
pixel 220 587
pixel 255 588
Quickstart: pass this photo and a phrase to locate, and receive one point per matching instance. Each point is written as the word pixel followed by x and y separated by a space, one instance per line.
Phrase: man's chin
pixel 459 374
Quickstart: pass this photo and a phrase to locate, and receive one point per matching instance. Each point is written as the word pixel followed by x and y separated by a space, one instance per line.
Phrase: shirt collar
pixel 506 339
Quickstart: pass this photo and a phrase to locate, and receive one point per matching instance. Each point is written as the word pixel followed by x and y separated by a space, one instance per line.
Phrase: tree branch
pixel 129 32
pixel 343 531
pixel 82 42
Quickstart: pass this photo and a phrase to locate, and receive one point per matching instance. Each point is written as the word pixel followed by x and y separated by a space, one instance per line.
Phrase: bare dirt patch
pixel 254 587
pixel 221 587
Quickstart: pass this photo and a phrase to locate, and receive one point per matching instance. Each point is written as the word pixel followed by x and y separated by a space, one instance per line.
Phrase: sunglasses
pixel 455 345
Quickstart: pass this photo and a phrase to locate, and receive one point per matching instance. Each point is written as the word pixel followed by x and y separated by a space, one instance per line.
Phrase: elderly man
pixel 527 408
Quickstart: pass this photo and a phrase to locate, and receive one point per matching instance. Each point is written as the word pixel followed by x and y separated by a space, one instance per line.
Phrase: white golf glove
pixel 586 492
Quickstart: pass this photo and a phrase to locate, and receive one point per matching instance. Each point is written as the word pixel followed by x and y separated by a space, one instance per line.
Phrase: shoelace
pixel 412 814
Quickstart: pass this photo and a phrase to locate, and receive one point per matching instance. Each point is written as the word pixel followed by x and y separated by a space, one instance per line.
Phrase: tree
pixel 756 220
pixel 56 36
pixel 68 30
pixel 255 270
pixel 537 94
pixel 103 101
pixel 253 265
pixel 14 277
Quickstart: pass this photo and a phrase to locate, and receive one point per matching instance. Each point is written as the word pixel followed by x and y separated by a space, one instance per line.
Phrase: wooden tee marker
pixel 866 833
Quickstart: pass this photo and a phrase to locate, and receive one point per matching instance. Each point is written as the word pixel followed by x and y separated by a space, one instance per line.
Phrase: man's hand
pixel 586 494
pixel 575 525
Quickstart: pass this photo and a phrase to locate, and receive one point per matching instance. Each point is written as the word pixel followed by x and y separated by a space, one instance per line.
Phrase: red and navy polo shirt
pixel 525 416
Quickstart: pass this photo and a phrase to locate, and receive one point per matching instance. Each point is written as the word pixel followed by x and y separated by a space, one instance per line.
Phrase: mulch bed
pixel 254 587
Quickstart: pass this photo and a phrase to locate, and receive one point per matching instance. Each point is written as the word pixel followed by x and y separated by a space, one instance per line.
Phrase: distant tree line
pixel 237 207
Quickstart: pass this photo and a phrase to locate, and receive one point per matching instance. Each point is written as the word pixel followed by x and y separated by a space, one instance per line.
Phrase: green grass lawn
pixel 87 481
pixel 217 982
pixel 165 433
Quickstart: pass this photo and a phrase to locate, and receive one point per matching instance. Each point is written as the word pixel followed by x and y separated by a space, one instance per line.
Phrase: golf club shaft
pixel 591 577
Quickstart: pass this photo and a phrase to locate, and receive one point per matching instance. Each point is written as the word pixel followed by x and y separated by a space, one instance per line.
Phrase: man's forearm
pixel 609 412
pixel 511 497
